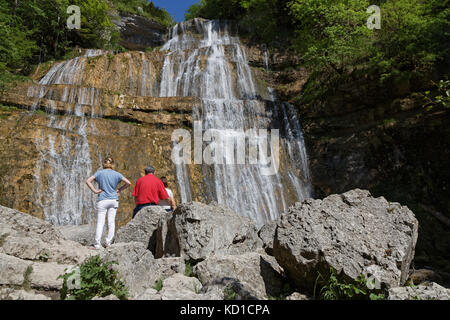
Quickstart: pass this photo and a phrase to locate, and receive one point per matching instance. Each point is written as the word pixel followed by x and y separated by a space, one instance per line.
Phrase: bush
pixel 97 279
pixel 334 288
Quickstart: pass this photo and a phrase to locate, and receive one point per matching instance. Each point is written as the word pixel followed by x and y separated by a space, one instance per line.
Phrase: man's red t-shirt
pixel 149 189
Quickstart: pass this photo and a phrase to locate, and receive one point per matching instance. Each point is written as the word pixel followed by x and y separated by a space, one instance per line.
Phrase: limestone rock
pixel 180 281
pixel 196 231
pixel 83 234
pixel 13 271
pixel 138 268
pixel 146 228
pixel 45 275
pixel 354 233
pixel 267 234
pixel 180 287
pixel 429 291
pixel 29 238
pixel 149 294
pixel 424 275
pixel 297 296
pixel 250 275
pixel 110 297
pixel 14 294
pixel 13 222
pixel 139 33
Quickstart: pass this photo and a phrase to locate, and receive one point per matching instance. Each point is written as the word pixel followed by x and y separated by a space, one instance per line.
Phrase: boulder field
pixel 208 252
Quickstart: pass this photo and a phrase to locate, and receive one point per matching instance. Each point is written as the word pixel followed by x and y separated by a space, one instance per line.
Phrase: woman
pixel 168 204
pixel 108 199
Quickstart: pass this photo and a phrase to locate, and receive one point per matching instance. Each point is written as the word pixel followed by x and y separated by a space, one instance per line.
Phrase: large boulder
pixel 83 234
pixel 429 291
pixel 20 294
pixel 139 33
pixel 147 227
pixel 196 231
pixel 267 234
pixel 353 233
pixel 138 268
pixel 250 275
pixel 29 238
pixel 180 287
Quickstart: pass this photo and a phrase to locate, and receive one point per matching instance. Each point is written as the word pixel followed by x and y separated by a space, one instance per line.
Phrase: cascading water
pixel 66 162
pixel 207 62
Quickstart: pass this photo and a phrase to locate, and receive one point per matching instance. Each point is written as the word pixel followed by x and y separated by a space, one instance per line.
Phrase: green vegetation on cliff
pixel 334 41
pixel 32 32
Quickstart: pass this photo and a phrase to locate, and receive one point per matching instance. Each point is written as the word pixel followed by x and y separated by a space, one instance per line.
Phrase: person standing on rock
pixel 166 204
pixel 108 199
pixel 149 190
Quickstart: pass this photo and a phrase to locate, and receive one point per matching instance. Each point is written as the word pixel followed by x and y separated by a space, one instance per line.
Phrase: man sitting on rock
pixel 149 190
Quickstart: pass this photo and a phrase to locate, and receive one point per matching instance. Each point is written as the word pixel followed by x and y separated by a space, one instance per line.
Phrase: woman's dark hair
pixel 164 181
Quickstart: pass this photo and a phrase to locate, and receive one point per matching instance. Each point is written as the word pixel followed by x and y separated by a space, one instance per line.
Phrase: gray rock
pixel 110 297
pixel 139 33
pixel 19 224
pixel 297 296
pixel 267 234
pixel 354 233
pixel 429 291
pixel 180 281
pixel 29 238
pixel 250 275
pixel 138 268
pixel 61 251
pixel 196 231
pixel 13 270
pixel 147 227
pixel 20 294
pixel 180 287
pixel 149 294
pixel 44 275
pixel 83 234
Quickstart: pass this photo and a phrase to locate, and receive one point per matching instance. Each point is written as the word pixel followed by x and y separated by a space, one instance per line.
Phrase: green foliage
pixel 229 293
pixel 158 285
pixel 146 9
pixel 97 29
pixel 331 33
pixel 334 288
pixel 333 40
pixel 188 272
pixel 26 284
pixel 97 279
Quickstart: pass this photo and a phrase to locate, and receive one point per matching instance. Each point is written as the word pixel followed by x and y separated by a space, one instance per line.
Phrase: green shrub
pixel 334 288
pixel 158 285
pixel 97 279
pixel 229 293
pixel 188 270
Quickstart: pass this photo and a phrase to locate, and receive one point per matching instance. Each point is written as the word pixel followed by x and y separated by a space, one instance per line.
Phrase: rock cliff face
pixel 139 33
pixel 374 136
pixel 108 108
pixel 126 106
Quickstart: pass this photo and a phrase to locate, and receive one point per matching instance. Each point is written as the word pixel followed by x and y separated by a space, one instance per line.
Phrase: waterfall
pixel 206 61
pixel 66 162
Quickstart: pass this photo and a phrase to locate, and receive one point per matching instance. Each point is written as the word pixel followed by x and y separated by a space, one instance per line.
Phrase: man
pixel 149 190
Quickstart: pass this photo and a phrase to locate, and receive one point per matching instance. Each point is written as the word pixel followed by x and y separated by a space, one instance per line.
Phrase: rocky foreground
pixel 353 233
